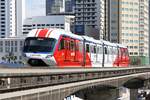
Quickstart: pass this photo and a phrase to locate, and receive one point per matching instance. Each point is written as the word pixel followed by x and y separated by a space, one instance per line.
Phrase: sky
pixel 35 8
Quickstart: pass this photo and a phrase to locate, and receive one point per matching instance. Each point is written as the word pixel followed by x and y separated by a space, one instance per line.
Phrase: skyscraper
pixel 11 18
pixel 59 6
pixel 90 16
pixel 4 16
pixel 69 5
pixel 129 25
pixel 55 6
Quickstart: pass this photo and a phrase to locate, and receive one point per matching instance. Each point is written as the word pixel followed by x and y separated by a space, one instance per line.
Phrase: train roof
pixel 52 33
pixel 56 33
pixel 92 40
pixel 109 43
pixel 121 45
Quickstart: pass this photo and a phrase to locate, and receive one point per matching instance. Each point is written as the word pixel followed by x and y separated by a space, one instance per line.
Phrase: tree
pixel 9 58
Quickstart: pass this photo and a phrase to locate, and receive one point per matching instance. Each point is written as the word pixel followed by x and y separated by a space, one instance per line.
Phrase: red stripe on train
pixel 43 33
pixel 36 32
pixel 49 33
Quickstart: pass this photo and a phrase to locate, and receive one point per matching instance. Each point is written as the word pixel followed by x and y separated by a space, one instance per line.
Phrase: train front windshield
pixel 39 45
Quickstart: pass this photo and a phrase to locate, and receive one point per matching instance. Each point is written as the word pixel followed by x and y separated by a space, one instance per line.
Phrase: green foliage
pixel 135 61
pixel 9 58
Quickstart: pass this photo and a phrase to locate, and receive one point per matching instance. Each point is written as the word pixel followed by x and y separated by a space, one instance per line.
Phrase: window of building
pixel 15 49
pixel 1 49
pixel 15 43
pixel 2 29
pixel 135 53
pixel 2 33
pixel 131 53
pixel 131 47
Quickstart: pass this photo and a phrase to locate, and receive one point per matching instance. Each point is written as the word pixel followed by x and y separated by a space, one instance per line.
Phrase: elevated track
pixel 16 79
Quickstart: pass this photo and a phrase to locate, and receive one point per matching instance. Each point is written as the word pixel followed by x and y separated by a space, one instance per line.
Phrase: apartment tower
pixel 11 17
pixel 129 25
pixel 89 16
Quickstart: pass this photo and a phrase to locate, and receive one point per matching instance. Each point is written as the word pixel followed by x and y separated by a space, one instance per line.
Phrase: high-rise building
pixel 144 30
pixel 59 6
pixel 11 18
pixel 4 26
pixel 112 20
pixel 16 18
pixel 149 31
pixel 55 6
pixel 90 16
pixel 129 25
pixel 69 6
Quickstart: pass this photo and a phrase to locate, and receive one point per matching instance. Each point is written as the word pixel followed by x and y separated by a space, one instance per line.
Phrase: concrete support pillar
pixel 133 94
pixel 109 94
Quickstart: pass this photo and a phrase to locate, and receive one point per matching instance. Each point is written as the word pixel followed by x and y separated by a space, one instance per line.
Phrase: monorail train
pixel 58 48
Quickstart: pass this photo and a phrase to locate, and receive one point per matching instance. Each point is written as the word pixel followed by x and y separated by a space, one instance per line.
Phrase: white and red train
pixel 58 48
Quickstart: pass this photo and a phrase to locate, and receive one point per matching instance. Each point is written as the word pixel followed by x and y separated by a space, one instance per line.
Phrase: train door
pixel 87 50
pixel 105 54
pixel 72 50
pixel 77 54
pixel 67 49
pixel 116 56
pixel 122 57
pixel 63 55
pixel 60 53
pixel 99 54
pixel 119 56
pixel 93 53
pixel 81 56
pixel 114 50
pixel 110 56
pixel 126 57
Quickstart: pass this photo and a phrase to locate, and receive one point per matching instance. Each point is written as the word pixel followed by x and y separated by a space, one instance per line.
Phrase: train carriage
pixel 58 48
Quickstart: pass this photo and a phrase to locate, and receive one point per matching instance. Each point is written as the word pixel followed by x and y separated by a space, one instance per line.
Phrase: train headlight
pixel 48 56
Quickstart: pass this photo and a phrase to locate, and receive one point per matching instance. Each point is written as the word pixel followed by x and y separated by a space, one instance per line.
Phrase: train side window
pixel 80 46
pixel 91 49
pixel 77 46
pixel 101 50
pixel 119 51
pixel 61 46
pixel 72 46
pixel 67 44
pixel 116 51
pixel 123 52
pixel 98 49
pixel 94 49
pixel 87 48
pixel 106 50
pixel 111 50
pixel 126 52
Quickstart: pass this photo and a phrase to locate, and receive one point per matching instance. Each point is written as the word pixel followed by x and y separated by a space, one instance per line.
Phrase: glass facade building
pixel 59 6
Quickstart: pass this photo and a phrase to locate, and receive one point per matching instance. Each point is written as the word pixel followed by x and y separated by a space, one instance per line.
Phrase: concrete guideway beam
pixel 59 92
